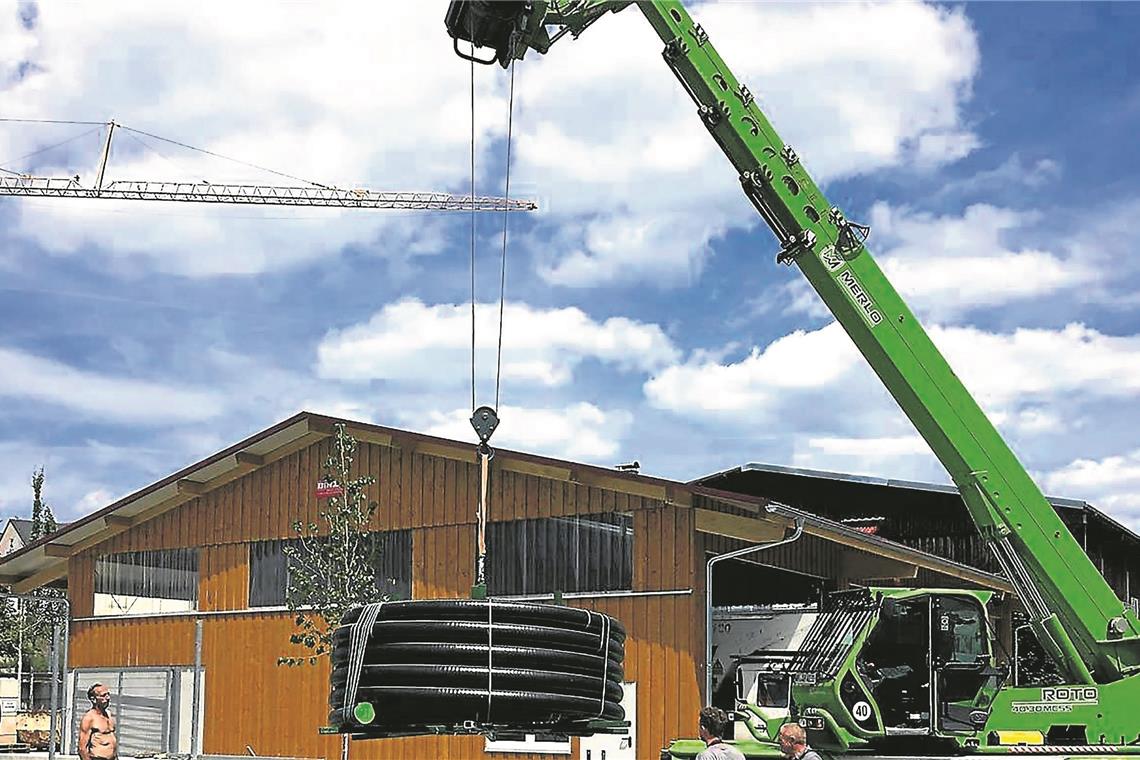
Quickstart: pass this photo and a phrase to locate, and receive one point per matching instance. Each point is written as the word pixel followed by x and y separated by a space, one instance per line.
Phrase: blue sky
pixel 990 146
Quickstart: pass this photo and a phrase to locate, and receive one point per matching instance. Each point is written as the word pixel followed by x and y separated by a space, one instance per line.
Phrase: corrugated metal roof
pixel 911 485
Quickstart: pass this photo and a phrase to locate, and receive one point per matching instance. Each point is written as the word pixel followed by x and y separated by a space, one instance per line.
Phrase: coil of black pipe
pixel 466 661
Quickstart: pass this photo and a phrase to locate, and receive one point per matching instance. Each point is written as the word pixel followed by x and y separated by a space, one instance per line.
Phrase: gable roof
pixel 45 560
pixel 23 528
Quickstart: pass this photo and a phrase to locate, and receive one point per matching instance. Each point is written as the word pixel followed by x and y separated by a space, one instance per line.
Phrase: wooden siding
pixel 223 577
pixel 276 710
pixel 249 699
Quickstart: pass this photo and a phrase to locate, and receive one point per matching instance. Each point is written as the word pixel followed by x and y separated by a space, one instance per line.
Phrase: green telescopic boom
pixel 1075 613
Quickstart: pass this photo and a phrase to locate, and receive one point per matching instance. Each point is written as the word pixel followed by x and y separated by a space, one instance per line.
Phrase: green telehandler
pixel 889 670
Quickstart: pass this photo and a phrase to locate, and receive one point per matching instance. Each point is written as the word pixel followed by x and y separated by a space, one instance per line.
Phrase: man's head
pixel 99 695
pixel 714 723
pixel 792 739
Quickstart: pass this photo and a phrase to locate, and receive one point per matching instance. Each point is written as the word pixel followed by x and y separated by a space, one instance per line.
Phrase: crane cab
pixel 894 666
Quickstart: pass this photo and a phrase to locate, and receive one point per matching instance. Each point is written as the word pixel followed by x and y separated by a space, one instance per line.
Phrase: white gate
pixel 151 706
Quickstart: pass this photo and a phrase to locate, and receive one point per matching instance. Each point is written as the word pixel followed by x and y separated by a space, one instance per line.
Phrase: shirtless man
pixel 97 729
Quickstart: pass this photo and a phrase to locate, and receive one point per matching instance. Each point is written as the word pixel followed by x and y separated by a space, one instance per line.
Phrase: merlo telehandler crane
pixel 881 668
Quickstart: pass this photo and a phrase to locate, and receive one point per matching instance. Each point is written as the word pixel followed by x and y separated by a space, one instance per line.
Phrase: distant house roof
pixel 23 528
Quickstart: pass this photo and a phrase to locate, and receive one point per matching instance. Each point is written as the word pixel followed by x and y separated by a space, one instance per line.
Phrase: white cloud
pixel 76 478
pixel 1111 483
pixel 311 94
pixel 599 147
pixel 894 456
pixel 602 129
pixel 1050 393
pixel 799 361
pixel 102 397
pixel 950 265
pixel 15 42
pixel 892 446
pixel 816 382
pixel 1029 365
pixel 581 431
pixel 662 249
pixel 938 148
pixel 1013 173
pixel 414 342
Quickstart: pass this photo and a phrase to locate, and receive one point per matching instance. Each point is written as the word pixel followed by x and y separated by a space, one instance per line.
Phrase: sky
pixel 990 147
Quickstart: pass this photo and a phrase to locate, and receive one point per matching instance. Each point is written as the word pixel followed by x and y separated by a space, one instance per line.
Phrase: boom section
pixel 1076 615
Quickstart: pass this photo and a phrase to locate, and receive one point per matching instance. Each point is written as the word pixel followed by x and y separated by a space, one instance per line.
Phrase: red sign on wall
pixel 326 489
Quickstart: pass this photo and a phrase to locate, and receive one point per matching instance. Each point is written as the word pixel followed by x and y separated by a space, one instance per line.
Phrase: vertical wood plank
pixel 451 500
pixel 303 505
pixel 641 547
pixel 395 489
pixel 438 484
pixel 533 503
pixel 241 506
pixel 416 486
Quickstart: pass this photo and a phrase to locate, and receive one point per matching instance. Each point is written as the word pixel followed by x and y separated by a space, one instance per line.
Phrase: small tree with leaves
pixel 43 519
pixel 332 563
pixel 40 618
pixel 27 625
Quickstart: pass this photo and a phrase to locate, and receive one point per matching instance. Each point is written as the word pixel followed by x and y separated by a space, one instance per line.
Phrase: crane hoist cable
pixel 485 419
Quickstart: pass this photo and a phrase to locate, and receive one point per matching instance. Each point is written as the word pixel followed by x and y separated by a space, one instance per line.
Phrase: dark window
pixel 154 574
pixel 581 553
pixel 269 568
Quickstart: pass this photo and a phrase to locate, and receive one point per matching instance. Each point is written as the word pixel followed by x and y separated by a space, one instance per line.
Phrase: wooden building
pixel 201 550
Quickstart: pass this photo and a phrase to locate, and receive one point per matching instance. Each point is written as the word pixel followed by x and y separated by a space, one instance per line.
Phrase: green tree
pixel 332 563
pixel 26 625
pixel 43 519
pixel 40 617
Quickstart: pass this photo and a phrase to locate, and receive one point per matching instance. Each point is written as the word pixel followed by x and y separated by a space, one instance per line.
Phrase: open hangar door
pixel 764 602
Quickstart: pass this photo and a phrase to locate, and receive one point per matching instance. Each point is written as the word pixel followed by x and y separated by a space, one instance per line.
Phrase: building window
pixel 269 568
pixel 568 554
pixel 146 582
